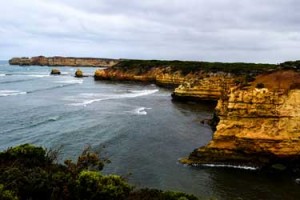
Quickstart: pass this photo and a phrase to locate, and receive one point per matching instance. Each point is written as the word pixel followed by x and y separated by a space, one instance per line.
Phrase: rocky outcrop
pixel 55 72
pixel 160 76
pixel 258 126
pixel 205 86
pixel 64 61
pixel 23 61
pixel 195 81
pixel 78 73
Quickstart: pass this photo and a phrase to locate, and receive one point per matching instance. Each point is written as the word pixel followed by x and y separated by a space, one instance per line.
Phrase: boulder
pixel 78 73
pixel 55 72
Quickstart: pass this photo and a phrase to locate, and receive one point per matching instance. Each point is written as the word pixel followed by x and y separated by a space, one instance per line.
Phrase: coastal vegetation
pixel 193 66
pixel 30 172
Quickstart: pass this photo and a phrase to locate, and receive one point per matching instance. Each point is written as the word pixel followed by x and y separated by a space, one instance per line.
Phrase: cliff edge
pixel 259 124
pixel 195 81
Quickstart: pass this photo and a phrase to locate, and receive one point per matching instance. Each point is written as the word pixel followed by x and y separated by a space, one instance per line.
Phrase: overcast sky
pixel 208 30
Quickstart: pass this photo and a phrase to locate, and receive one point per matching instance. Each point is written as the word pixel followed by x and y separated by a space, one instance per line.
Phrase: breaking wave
pixel 72 81
pixel 5 93
pixel 140 111
pixel 229 166
pixel 130 94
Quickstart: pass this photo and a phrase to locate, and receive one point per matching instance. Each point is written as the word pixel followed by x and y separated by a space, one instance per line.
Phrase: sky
pixel 266 31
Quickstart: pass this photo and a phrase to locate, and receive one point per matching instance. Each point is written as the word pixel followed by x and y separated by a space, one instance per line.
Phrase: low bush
pixel 29 172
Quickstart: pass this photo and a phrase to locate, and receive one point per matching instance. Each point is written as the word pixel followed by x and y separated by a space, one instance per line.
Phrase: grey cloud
pixel 215 30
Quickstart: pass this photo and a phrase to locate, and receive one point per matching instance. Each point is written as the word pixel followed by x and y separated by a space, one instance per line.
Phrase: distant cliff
pixel 259 124
pixel 64 61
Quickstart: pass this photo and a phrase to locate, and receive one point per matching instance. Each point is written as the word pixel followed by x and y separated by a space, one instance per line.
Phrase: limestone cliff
pixel 63 61
pixel 196 80
pixel 158 75
pixel 258 126
pixel 205 86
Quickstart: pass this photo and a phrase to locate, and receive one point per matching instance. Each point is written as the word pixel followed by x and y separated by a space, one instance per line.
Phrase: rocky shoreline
pixel 63 61
pixel 257 118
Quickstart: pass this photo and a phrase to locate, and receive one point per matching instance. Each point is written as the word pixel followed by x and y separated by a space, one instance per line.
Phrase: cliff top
pixel 192 66
pixel 284 79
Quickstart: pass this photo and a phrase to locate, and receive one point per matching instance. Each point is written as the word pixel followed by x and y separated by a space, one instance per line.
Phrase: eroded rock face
pixel 257 127
pixel 206 86
pixel 64 61
pixel 160 76
pixel 195 86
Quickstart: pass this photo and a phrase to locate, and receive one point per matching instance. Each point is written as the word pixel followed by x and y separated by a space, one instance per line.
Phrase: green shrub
pixel 7 194
pixel 26 154
pixel 149 194
pixel 29 172
pixel 92 185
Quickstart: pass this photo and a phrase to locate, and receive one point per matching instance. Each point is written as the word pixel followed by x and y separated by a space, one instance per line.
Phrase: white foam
pixel 86 102
pixel 140 111
pixel 38 75
pixel 2 74
pixel 71 81
pixel 4 93
pixel 230 166
pixel 130 94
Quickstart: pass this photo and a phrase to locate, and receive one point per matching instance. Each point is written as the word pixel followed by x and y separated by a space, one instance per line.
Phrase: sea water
pixel 136 126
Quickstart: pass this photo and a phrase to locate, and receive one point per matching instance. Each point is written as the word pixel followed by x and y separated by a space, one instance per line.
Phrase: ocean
pixel 137 126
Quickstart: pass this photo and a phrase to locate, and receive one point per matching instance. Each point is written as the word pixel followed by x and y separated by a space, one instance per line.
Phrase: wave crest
pixel 130 94
pixel 5 93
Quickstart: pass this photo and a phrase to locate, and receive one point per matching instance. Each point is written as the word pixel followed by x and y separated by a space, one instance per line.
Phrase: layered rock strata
pixel 196 86
pixel 63 61
pixel 160 76
pixel 209 86
pixel 197 81
pixel 258 126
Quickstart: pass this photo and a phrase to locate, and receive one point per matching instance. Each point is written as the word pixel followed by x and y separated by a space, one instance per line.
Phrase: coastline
pixel 241 104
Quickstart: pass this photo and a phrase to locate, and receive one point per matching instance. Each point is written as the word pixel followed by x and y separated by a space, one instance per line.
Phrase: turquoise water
pixel 143 131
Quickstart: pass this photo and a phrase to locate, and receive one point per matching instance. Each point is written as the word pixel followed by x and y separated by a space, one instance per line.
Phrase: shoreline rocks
pixel 78 73
pixel 55 72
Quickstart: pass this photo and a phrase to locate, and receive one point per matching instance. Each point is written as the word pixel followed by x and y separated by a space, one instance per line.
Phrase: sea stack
pixel 78 73
pixel 55 72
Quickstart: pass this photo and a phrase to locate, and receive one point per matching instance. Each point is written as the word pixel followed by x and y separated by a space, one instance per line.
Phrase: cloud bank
pixel 215 30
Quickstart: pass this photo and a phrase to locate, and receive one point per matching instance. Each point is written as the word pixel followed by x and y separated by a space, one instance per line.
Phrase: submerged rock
pixel 55 72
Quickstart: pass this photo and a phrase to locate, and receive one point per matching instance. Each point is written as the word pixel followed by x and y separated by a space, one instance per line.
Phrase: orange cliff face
pixel 258 126
pixel 64 61
pixel 205 86
pixel 158 75
pixel 196 86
